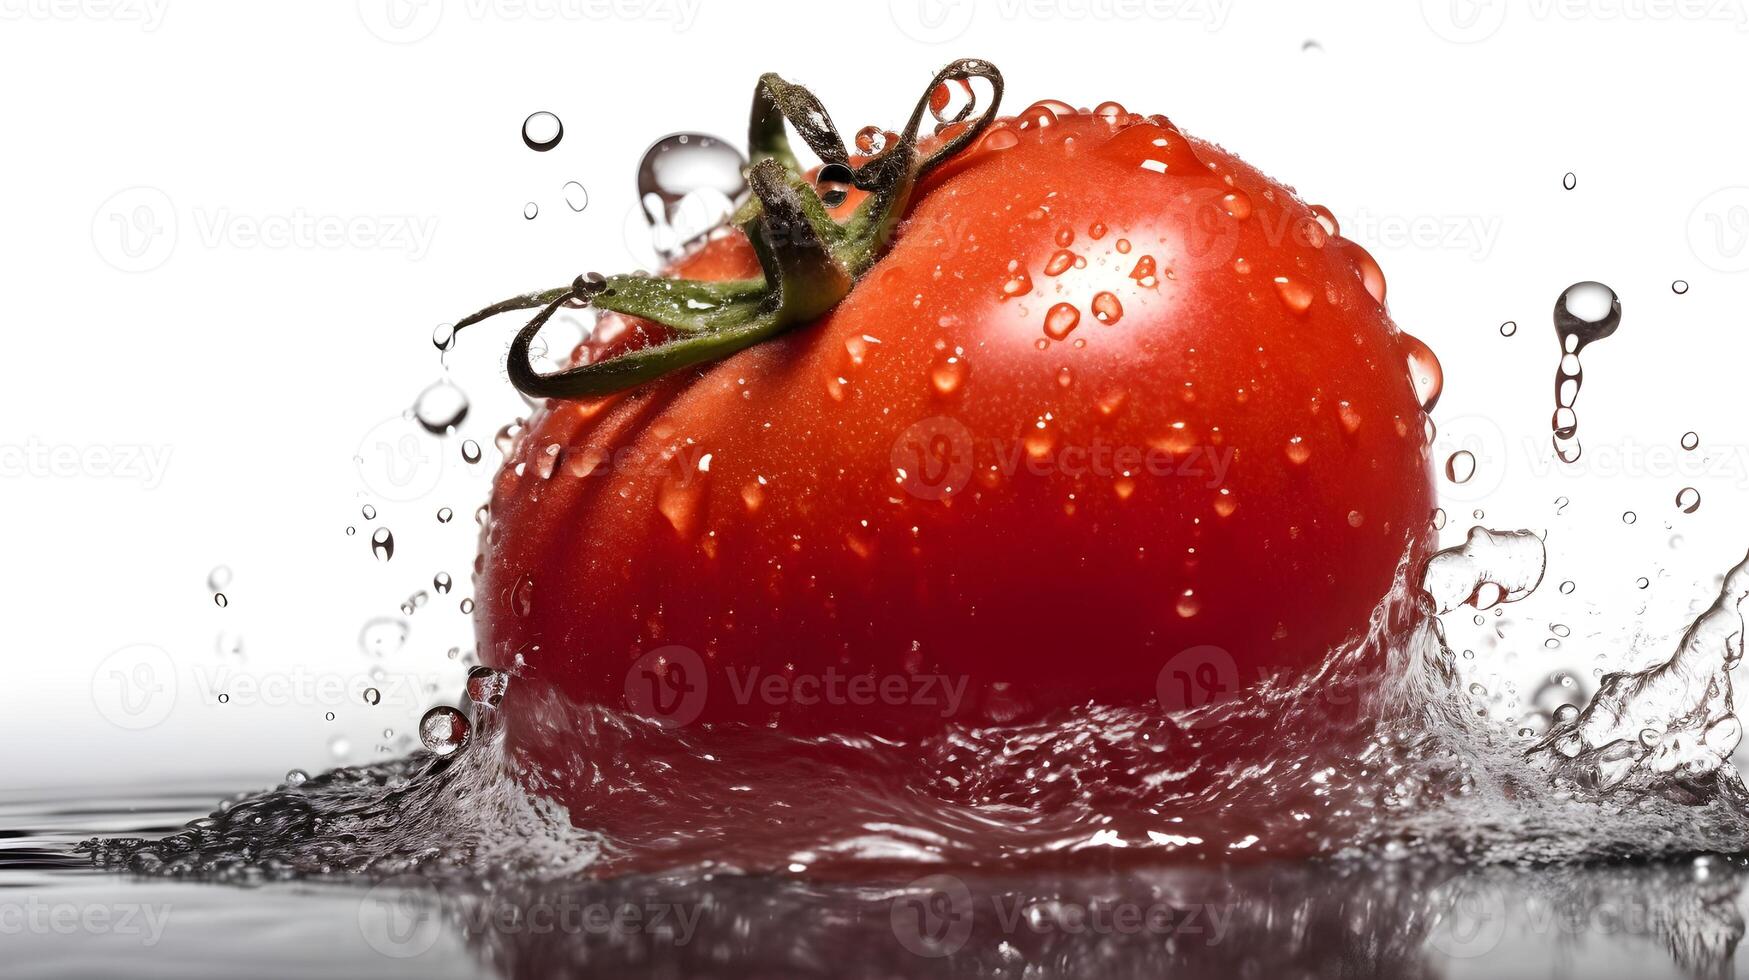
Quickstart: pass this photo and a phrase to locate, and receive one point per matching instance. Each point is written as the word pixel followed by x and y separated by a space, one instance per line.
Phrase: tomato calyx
pixel 809 259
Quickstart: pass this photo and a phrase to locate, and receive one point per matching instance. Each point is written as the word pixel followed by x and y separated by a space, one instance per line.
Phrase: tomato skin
pixel 1273 473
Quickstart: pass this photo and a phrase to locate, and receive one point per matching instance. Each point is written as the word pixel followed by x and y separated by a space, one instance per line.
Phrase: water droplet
pixel 1297 451
pixel 1188 604
pixel 871 140
pixel 947 374
pixel 382 544
pixel 1424 372
pixel 1060 262
pixel 1643 582
pixel 1628 517
pixel 1690 440
pixel 445 515
pixel 951 101
pixel 442 583
pixel 467 607
pixel 1679 287
pixel 687 184
pixel 218 578
pixel 296 777
pixel 350 530
pixel 372 696
pixel 1460 466
pixel 1296 295
pixel 1061 320
pixel 470 451
pixel 1569 181
pixel 1356 518
pixel 542 131
pixel 1566 714
pixel 833 184
pixel 1585 313
pixel 576 195
pixel 487 686
pixel 440 407
pixel 530 211
pixel 1439 518
pixel 1508 328
pixel 443 336
pixel 443 730
pixel 220 600
pixel 369 512
pixel 1688 500
pixel 1106 308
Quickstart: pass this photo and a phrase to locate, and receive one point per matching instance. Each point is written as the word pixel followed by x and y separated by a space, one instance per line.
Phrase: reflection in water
pixel 1373 919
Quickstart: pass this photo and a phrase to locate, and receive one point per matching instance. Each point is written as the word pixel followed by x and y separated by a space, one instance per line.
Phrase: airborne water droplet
pixel 1688 500
pixel 1690 440
pixel 445 515
pixel 443 730
pixel 687 184
pixel 1424 372
pixel 440 407
pixel 382 544
pixel 542 131
pixel 369 512
pixel 1586 312
pixel 220 600
pixel 530 211
pixel 470 451
pixel 576 195
pixel 1569 180
pixel 1508 328
pixel 372 696
pixel 1460 466
pixel 1679 287
pixel 442 582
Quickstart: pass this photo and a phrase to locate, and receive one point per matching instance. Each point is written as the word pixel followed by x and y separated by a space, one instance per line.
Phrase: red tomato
pixel 1111 395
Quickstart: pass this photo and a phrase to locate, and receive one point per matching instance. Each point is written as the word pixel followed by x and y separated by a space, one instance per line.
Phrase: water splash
pixel 1586 313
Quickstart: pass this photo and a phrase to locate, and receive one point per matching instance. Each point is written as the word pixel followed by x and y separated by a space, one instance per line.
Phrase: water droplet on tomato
pixel 947 374
pixel 1424 372
pixel 1295 294
pixel 1112 112
pixel 443 730
pixel 1106 308
pixel 486 686
pixel 1326 220
pixel 1188 604
pixel 1061 320
pixel 1297 451
pixel 1060 262
pixel 1237 204
pixel 1349 418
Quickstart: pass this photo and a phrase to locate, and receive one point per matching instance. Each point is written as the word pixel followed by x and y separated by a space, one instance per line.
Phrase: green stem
pixel 810 261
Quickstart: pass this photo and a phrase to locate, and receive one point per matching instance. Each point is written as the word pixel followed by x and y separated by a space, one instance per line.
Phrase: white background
pixel 1438 132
